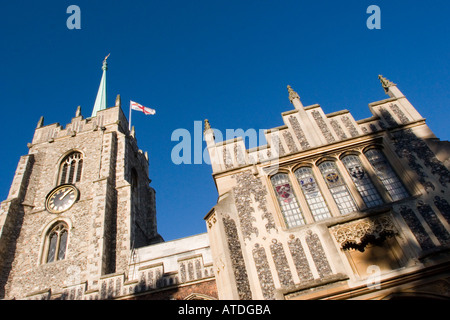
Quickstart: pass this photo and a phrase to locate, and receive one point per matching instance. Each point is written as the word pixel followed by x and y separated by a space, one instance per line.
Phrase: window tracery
pixel 312 193
pixel 286 199
pixel 342 187
pixel 56 243
pixel 386 174
pixel 362 181
pixel 337 187
pixel 71 168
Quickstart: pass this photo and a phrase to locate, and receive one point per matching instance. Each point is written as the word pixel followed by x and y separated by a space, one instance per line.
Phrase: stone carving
pixel 299 257
pixel 433 221
pixel 338 129
pixel 276 143
pixel 183 272
pixel 323 126
pixel 290 141
pixel 318 254
pixel 227 160
pixel 212 220
pixel 239 155
pixel 385 83
pixel 388 117
pixel 292 94
pixel 373 128
pixel 350 127
pixel 443 207
pixel 264 274
pixel 358 234
pixel 299 133
pixel 281 264
pixel 416 228
pixel 237 259
pixel 403 118
pixel 247 186
pixel 407 144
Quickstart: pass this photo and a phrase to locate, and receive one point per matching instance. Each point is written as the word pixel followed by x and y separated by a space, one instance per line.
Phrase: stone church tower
pixel 80 201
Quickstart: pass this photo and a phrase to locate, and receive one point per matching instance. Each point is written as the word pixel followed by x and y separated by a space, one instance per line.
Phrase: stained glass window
pixel 71 167
pixel 337 187
pixel 312 193
pixel 57 243
pixel 287 200
pixel 362 181
pixel 386 174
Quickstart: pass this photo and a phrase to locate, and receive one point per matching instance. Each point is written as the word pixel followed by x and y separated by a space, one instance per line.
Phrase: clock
pixel 61 198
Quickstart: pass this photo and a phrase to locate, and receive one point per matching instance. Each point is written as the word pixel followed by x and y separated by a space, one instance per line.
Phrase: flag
pixel 139 107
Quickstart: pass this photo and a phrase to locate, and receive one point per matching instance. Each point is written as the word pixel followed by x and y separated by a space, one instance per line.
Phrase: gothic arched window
pixel 362 181
pixel 287 200
pixel 337 187
pixel 312 193
pixel 70 168
pixel 386 174
pixel 56 243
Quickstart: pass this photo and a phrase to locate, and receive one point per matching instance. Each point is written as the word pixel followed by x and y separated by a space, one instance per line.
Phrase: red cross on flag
pixel 139 107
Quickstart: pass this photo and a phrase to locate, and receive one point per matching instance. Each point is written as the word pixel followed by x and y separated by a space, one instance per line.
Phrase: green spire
pixel 100 101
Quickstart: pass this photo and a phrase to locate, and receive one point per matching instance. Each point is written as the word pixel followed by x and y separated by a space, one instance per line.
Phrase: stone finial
pixel 118 101
pixel 78 112
pixel 292 94
pixel 133 132
pixel 385 83
pixel 40 122
pixel 207 125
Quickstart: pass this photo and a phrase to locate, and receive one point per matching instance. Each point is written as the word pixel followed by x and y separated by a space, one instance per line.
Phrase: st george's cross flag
pixel 139 107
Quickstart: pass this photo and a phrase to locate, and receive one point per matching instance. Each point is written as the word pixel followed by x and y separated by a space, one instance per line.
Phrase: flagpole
pixel 129 123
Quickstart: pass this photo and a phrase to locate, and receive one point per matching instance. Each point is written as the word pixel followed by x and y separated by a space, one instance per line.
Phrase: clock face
pixel 61 198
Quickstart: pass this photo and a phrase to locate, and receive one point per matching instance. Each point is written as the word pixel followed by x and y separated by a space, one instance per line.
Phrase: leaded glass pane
pixel 80 167
pixel 386 174
pixel 287 200
pixel 312 193
pixel 57 243
pixel 362 181
pixel 338 189
pixel 63 173
pixel 71 168
pixel 62 244
pixel 71 172
pixel 53 239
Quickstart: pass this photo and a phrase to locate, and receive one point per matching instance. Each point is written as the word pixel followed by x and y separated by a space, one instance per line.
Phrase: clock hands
pixel 65 194
pixel 61 199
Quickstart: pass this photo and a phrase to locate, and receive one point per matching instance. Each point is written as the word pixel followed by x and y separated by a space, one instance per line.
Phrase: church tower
pixel 79 203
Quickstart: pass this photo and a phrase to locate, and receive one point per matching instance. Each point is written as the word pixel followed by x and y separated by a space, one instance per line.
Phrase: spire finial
pixel 385 83
pixel 118 101
pixel 207 125
pixel 40 122
pixel 100 100
pixel 292 94
pixel 105 64
pixel 78 112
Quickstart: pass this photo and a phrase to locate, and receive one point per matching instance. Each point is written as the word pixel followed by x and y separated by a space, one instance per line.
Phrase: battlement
pixel 110 117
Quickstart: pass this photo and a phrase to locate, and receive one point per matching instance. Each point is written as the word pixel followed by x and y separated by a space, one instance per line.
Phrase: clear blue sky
pixel 228 61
